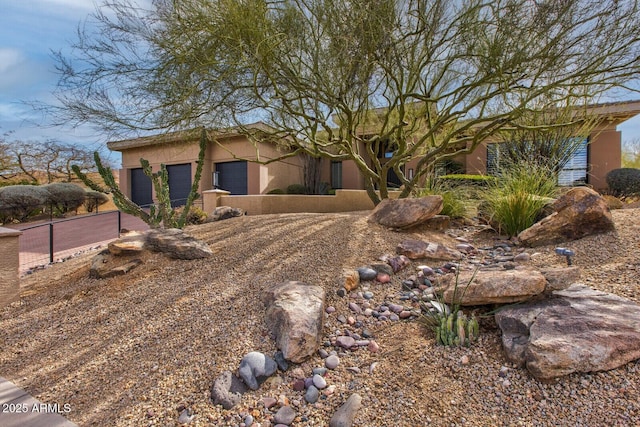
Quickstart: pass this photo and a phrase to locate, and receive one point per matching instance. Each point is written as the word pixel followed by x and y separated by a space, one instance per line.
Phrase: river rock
pixel 418 249
pixel 492 287
pixel 255 367
pixel 345 414
pixel 227 390
pixel 580 329
pixel 295 315
pixel 580 212
pixel 406 213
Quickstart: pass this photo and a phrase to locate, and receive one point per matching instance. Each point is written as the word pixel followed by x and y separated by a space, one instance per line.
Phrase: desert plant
pixel 452 197
pixel 161 214
pixel 19 202
pixel 624 181
pixel 93 199
pixel 195 216
pixel 64 197
pixel 515 200
pixel 276 191
pixel 466 179
pixel 450 324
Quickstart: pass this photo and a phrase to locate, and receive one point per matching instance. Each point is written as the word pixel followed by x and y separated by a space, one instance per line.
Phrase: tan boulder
pixel 175 243
pixel 131 242
pixel 406 213
pixel 105 265
pixel 295 315
pixel 492 287
pixel 579 330
pixel 579 213
pixel 559 278
pixel 418 249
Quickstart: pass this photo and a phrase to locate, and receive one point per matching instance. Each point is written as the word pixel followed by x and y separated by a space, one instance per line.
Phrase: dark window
pixel 140 188
pixel 179 183
pixel 336 175
pixel 232 177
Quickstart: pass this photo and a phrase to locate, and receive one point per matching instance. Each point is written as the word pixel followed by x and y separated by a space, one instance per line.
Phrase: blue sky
pixel 29 31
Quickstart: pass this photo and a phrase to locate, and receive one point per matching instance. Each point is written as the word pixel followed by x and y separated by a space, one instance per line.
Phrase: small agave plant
pixel 450 324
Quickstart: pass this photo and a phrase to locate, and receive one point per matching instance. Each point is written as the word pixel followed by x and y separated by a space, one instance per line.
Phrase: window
pixel 336 175
pixel 573 173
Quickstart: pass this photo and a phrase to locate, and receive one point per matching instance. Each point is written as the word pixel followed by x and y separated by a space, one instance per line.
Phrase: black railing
pixel 52 241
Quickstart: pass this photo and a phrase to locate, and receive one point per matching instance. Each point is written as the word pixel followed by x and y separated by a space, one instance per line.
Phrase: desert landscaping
pixel 145 348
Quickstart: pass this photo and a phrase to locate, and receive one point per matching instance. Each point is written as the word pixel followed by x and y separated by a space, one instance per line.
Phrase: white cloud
pixel 10 58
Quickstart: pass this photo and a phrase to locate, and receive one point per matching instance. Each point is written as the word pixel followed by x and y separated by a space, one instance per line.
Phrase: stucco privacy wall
pixel 9 265
pixel 343 201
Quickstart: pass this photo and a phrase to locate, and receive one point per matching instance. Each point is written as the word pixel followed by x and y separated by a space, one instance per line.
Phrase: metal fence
pixel 54 241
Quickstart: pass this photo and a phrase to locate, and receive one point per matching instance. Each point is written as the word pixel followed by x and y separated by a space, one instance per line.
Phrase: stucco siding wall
pixel 605 154
pixel 9 265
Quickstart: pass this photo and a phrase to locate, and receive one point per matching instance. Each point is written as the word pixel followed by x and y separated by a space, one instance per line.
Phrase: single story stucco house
pixel 229 161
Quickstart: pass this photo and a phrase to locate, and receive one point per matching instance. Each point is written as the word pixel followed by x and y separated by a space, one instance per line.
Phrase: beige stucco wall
pixel 260 178
pixel 604 155
pixel 343 201
pixel 9 265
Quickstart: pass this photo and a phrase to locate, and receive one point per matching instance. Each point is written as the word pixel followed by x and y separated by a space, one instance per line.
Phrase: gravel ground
pixel 137 350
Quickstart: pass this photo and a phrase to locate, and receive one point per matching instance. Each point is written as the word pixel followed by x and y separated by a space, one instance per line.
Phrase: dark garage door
pixel 140 188
pixel 179 183
pixel 232 177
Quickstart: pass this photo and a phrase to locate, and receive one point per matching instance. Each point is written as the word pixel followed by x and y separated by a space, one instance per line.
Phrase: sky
pixel 29 31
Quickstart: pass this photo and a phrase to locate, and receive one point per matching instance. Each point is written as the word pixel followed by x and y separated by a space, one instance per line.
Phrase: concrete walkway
pixel 19 409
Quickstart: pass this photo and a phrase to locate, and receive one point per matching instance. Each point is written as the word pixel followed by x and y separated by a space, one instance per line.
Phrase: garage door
pixel 179 183
pixel 232 177
pixel 140 188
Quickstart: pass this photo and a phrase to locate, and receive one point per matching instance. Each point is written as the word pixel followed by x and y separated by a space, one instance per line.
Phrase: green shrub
pixel 276 191
pixel 624 181
pixel 452 197
pixel 19 202
pixel 464 179
pixel 515 200
pixel 93 199
pixel 64 197
pixel 195 216
pixel 297 189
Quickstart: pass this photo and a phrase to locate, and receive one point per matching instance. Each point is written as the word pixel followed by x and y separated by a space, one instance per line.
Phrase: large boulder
pixel 492 287
pixel 175 243
pixel 129 243
pixel 105 265
pixel 580 329
pixel 225 212
pixel 580 212
pixel 406 213
pixel 295 315
pixel 418 249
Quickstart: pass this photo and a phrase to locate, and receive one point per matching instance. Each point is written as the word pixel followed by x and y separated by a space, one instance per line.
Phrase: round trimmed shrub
pixel 93 199
pixel 64 196
pixel 19 202
pixel 624 181
pixel 276 191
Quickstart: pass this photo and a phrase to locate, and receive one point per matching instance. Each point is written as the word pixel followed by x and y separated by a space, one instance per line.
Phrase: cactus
pixel 452 326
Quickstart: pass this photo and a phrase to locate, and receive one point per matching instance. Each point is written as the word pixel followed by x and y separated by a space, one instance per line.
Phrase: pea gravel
pixel 142 349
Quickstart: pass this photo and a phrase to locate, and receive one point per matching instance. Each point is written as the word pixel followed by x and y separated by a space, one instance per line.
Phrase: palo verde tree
pixel 376 82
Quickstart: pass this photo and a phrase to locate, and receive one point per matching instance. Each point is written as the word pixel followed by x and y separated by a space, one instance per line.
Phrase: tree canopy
pixel 423 80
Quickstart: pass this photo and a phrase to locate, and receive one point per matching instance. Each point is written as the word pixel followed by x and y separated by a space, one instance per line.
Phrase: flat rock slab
pixel 580 329
pixel 295 316
pixel 492 287
pixel 105 265
pixel 175 243
pixel 406 213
